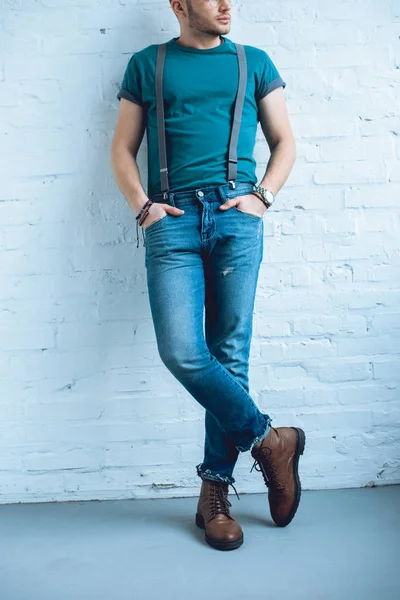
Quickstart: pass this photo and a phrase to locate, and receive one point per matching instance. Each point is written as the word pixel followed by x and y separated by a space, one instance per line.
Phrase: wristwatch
pixel 268 197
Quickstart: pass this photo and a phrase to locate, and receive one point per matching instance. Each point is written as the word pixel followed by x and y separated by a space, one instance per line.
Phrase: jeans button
pixel 200 193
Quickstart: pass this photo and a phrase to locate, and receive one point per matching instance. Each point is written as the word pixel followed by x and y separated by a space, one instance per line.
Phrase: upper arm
pixel 130 127
pixel 131 124
pixel 274 118
pixel 270 98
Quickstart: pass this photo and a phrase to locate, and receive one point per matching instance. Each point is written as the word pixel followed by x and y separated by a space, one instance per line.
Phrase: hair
pixel 187 1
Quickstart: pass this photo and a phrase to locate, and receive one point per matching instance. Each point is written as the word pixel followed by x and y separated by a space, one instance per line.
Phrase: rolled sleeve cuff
pixel 128 96
pixel 272 85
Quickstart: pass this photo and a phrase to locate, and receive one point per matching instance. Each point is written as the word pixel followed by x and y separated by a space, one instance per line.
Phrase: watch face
pixel 266 194
pixel 269 197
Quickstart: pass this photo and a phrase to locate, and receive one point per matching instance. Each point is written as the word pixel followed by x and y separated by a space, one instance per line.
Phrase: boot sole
pixel 301 442
pixel 218 545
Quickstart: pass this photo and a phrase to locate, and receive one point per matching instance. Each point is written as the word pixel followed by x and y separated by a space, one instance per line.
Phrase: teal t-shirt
pixel 199 90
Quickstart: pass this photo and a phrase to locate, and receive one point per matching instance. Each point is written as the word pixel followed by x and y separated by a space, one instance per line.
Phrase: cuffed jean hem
pixel 261 436
pixel 207 474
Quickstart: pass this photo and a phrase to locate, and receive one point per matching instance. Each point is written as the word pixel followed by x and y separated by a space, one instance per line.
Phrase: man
pixel 200 97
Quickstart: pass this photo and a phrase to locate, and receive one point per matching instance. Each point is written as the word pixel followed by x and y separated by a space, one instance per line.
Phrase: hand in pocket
pixel 158 211
pixel 248 203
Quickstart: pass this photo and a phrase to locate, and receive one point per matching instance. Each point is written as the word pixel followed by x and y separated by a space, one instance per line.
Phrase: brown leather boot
pixel 221 529
pixel 278 455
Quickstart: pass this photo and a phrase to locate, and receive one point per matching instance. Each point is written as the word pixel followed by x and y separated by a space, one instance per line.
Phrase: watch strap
pixel 262 191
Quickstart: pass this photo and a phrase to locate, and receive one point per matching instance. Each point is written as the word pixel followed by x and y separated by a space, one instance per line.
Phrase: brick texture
pixel 87 408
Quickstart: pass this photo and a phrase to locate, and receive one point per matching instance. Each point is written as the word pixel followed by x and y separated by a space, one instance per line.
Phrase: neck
pixel 200 41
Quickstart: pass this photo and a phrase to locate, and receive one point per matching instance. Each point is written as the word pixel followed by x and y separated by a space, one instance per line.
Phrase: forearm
pixel 280 163
pixel 127 176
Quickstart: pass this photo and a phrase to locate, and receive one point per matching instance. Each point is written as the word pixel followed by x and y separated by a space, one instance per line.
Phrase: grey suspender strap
pixel 237 117
pixel 162 149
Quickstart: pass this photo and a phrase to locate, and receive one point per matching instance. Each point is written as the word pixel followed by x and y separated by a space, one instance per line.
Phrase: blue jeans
pixel 205 263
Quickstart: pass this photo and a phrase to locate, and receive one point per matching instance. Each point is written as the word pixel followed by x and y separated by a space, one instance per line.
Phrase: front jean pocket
pixel 256 217
pixel 235 194
pixel 155 223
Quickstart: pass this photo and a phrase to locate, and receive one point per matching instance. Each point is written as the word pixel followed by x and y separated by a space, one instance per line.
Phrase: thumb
pixel 228 204
pixel 173 210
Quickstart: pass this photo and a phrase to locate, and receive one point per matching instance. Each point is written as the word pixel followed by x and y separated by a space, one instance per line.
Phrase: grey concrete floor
pixel 341 544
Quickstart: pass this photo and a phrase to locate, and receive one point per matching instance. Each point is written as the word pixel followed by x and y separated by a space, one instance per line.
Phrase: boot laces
pixel 219 503
pixel 269 472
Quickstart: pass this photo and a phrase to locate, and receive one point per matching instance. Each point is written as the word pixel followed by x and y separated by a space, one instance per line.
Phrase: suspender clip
pixel 232 185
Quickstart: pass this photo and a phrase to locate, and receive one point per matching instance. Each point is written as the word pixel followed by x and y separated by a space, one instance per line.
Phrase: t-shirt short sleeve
pixel 269 77
pixel 131 88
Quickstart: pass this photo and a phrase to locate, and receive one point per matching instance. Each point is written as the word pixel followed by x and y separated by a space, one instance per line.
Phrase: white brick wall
pixel 87 408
